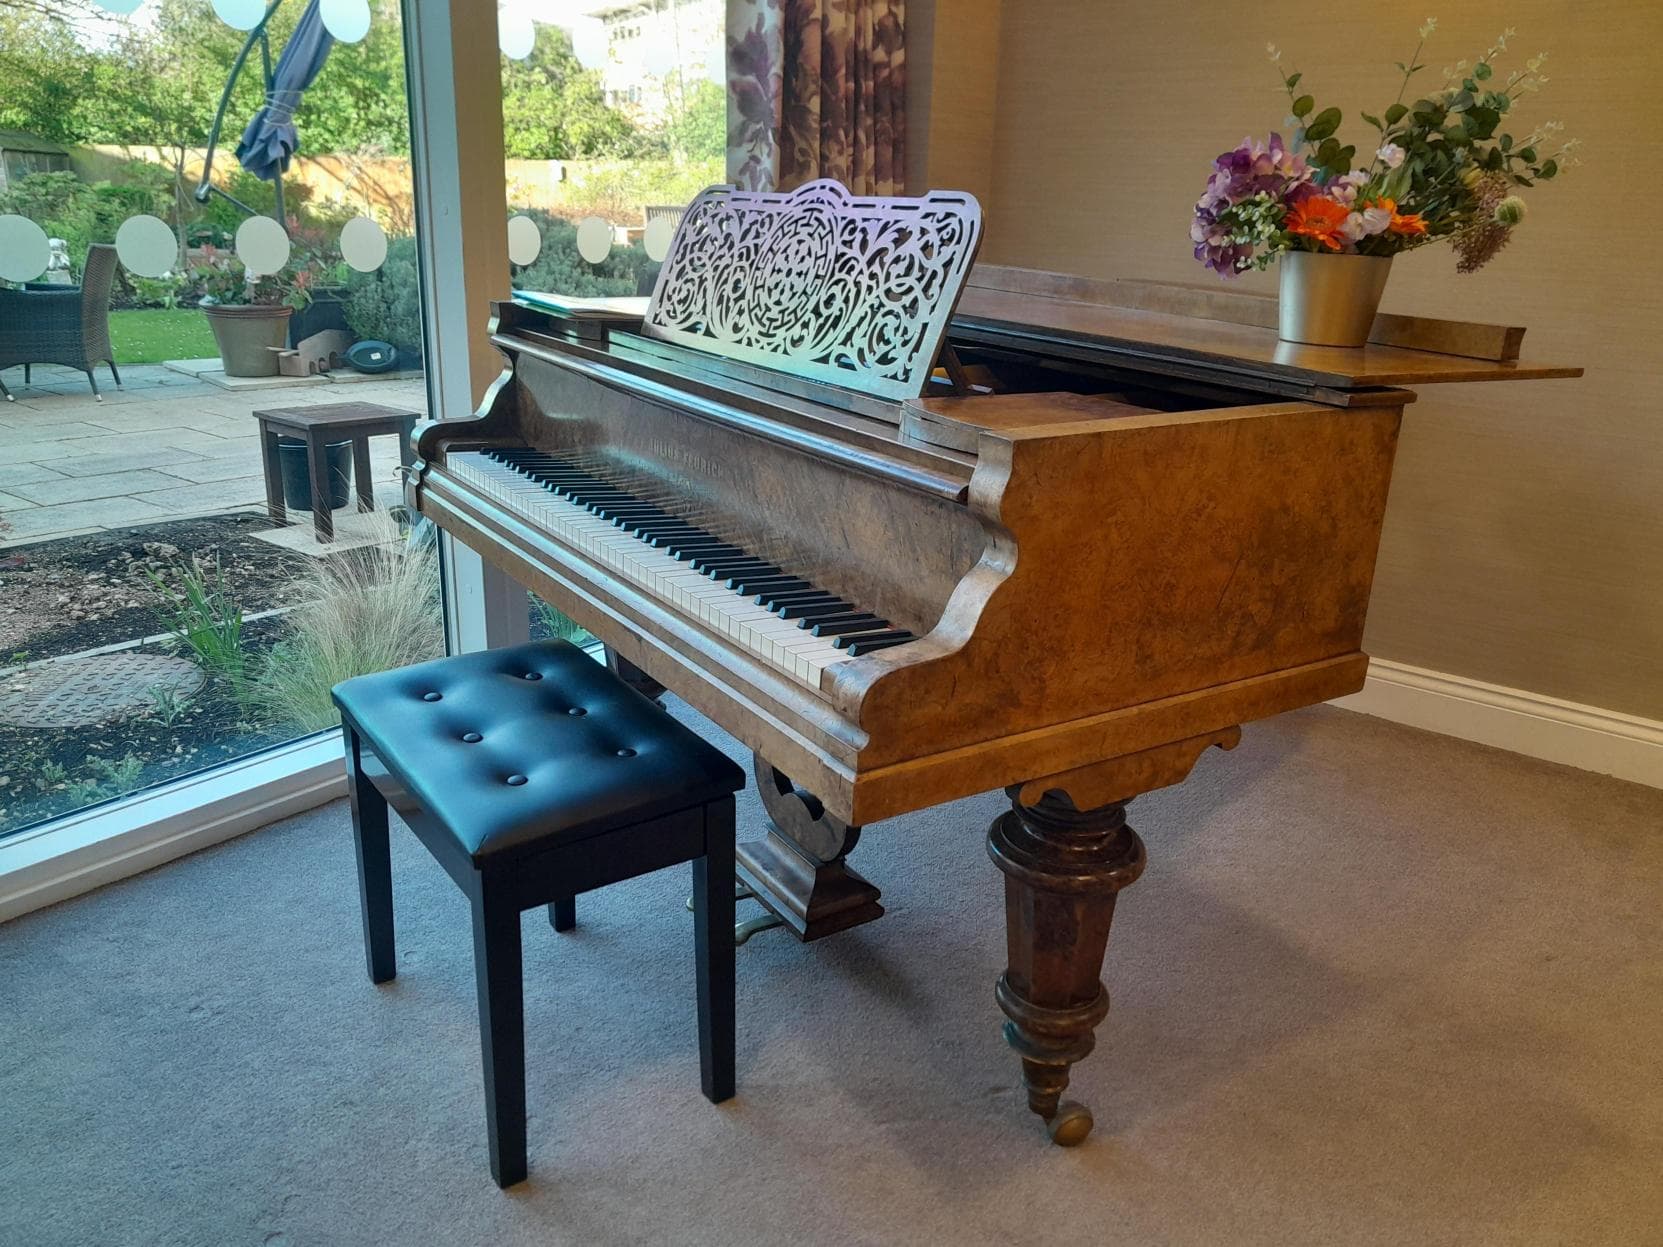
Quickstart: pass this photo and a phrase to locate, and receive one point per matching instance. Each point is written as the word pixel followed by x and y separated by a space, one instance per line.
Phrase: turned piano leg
pixel 798 870
pixel 1063 868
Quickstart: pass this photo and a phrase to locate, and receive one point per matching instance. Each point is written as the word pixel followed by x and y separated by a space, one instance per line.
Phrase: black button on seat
pixel 533 675
pixel 549 732
pixel 473 738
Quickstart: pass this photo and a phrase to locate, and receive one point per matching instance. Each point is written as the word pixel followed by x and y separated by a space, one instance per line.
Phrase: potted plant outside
pixel 249 316
pixel 1440 172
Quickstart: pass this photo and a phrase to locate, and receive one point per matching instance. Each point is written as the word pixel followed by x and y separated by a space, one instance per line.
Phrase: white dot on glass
pixel 525 240
pixel 146 246
pixel 347 20
pixel 123 7
pixel 594 239
pixel 24 250
pixel 363 244
pixel 658 235
pixel 589 42
pixel 516 34
pixel 262 246
pixel 239 14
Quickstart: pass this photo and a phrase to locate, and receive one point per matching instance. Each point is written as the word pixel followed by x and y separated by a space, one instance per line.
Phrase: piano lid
pixel 817 283
pixel 1232 335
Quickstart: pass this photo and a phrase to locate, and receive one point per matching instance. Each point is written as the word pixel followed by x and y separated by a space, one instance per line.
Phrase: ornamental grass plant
pixel 366 610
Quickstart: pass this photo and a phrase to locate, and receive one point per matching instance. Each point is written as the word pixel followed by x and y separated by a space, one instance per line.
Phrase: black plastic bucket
pixel 297 484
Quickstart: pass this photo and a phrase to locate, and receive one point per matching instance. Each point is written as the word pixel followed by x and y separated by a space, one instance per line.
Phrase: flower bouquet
pixel 1440 171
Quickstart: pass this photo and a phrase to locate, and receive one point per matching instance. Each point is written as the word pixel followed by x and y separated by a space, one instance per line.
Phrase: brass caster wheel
pixel 1070 1125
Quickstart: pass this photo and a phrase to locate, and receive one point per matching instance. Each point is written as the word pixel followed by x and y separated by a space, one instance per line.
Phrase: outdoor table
pixel 317 426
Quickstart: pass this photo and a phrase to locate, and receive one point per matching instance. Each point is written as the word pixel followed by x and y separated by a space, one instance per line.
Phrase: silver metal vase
pixel 1330 300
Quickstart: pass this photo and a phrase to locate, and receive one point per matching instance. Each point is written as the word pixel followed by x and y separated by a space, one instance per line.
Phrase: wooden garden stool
pixel 317 427
pixel 533 774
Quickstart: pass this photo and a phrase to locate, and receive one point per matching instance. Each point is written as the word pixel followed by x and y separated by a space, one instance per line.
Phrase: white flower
pixel 1431 25
pixel 1352 229
pixel 1391 155
pixel 1376 217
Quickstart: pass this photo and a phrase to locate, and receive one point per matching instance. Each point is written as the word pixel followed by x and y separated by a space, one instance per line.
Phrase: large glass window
pixel 614 117
pixel 175 590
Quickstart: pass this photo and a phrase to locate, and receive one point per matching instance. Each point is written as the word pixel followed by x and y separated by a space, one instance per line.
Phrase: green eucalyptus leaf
pixel 1505 142
pixel 1322 125
pixel 1303 105
pixel 1395 114
pixel 1548 170
pixel 1293 80
pixel 1373 121
pixel 1528 155
pixel 1482 70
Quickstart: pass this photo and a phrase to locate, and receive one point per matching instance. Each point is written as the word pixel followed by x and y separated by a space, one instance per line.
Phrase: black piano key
pixel 719 569
pixel 750 583
pixel 839 625
pixel 690 548
pixel 803 610
pixel 790 597
pixel 869 642
pixel 734 567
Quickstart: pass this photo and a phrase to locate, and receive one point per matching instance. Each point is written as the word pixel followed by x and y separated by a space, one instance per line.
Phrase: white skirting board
pixel 1586 737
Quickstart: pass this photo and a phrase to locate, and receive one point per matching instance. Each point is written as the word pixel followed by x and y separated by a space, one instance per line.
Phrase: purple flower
pixel 1265 176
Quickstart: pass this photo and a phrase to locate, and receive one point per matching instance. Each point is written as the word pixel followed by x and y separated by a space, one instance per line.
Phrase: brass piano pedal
pixel 767 920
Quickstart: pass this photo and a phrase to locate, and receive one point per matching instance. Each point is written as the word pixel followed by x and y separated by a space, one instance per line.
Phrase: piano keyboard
pixel 765 608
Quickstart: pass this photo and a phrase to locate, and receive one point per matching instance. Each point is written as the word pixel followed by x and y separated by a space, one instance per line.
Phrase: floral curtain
pixel 817 89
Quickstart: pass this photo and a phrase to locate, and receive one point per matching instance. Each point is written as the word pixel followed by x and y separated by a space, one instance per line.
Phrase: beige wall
pixel 1524 541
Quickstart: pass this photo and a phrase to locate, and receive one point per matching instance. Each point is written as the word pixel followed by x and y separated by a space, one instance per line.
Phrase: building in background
pixel 654 47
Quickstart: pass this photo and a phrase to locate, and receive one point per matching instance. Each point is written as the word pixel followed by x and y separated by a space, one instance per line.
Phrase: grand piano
pixel 913 529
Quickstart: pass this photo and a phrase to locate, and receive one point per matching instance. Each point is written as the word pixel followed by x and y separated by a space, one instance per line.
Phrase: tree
pixel 553 108
pixel 46 74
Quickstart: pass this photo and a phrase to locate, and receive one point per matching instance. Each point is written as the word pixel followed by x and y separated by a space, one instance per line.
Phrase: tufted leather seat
pixel 533 774
pixel 531 746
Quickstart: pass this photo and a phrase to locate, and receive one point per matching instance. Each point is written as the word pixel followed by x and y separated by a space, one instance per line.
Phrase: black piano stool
pixel 532 774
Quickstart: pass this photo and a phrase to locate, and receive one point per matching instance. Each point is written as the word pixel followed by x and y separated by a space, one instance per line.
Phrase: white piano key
pixel 779 642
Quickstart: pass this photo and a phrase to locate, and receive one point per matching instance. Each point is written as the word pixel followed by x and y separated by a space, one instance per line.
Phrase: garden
pixel 132 657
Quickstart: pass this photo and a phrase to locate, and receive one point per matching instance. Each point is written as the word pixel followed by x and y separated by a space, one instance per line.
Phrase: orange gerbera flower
pixel 1318 218
pixel 1408 224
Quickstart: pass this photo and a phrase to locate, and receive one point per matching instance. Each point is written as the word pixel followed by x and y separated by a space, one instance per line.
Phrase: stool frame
pixel 498 892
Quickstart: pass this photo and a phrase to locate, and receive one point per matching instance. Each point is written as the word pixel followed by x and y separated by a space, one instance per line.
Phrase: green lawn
pixel 153 334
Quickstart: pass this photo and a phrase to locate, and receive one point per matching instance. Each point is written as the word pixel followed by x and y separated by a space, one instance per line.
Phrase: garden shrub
pixel 559 269
pixel 386 305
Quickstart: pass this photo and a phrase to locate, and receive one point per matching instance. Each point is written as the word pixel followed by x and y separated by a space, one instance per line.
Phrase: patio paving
pixel 167 445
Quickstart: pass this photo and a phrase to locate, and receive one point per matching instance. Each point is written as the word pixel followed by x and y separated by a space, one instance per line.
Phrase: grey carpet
pixel 1377 986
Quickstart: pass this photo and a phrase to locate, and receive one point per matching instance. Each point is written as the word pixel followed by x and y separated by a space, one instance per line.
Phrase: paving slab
pixel 23 473
pixel 82 516
pixel 85 488
pixel 166 458
pixel 11 502
pixel 216 468
pixel 215 495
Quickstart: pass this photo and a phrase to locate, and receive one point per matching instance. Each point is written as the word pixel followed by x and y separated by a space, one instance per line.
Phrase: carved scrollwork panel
pixel 818 283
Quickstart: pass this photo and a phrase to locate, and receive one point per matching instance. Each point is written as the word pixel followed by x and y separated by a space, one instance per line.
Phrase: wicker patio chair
pixel 66 325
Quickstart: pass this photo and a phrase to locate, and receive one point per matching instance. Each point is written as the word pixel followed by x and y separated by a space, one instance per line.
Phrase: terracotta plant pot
pixel 1330 300
pixel 249 337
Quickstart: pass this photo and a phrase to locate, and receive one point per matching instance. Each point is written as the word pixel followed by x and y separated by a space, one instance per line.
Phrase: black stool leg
pixel 375 866
pixel 713 944
pixel 563 913
pixel 496 956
